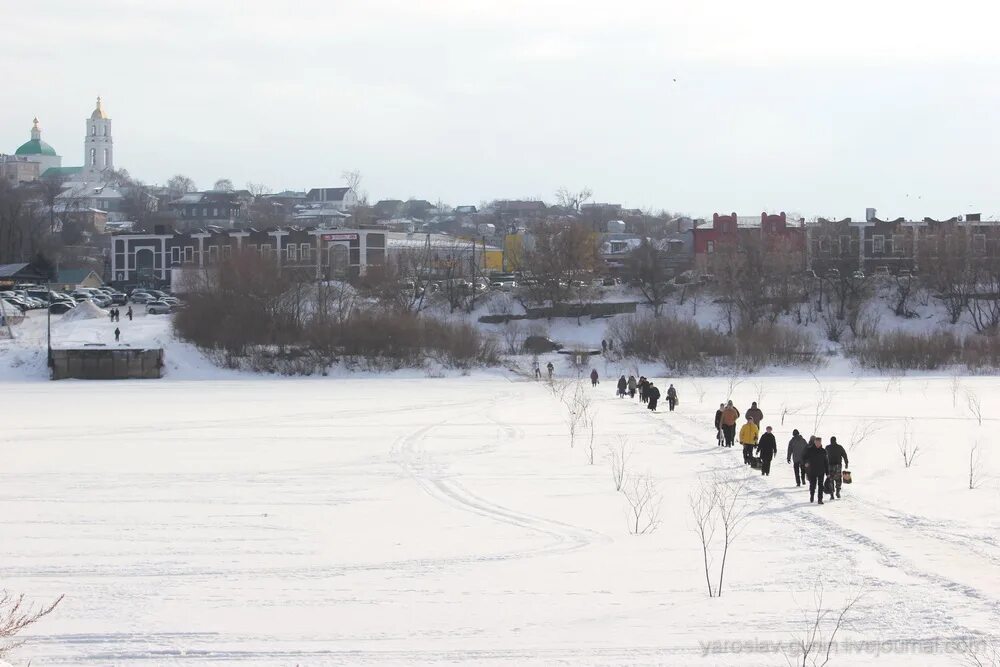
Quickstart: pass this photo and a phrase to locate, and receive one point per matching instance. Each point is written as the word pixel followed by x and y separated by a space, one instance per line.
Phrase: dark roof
pixel 327 194
pixel 8 270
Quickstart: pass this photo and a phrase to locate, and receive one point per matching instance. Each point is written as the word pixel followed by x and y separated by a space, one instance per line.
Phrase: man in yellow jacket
pixel 748 438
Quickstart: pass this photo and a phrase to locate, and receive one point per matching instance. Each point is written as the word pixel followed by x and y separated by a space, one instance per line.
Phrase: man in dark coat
pixel 816 468
pixel 643 389
pixel 755 414
pixel 836 457
pixel 622 386
pixel 718 425
pixel 593 377
pixel 767 449
pixel 671 397
pixel 653 394
pixel 796 450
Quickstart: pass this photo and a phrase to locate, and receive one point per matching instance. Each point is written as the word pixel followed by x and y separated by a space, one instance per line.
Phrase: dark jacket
pixel 622 384
pixel 672 393
pixel 653 393
pixel 796 448
pixel 756 415
pixel 718 419
pixel 815 461
pixel 836 453
pixel 767 447
pixel 593 374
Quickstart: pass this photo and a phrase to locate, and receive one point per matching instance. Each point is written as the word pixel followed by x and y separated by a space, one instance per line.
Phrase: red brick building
pixel 772 231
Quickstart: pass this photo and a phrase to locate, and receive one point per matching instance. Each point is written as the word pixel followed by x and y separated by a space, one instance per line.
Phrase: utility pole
pixel 48 327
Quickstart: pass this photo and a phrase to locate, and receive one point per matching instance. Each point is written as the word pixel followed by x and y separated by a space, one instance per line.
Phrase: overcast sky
pixel 695 107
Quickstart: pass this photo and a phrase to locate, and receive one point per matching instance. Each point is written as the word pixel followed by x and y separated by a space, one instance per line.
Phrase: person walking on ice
pixel 671 397
pixel 718 425
pixel 836 459
pixel 796 451
pixel 631 386
pixel 128 314
pixel 653 396
pixel 767 449
pixel 816 468
pixel 755 414
pixel 748 438
pixel 549 367
pixel 729 416
pixel 622 386
pixel 593 377
pixel 118 333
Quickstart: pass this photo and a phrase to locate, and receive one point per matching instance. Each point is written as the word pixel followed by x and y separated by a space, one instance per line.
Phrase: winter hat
pixel 833 440
pixel 795 431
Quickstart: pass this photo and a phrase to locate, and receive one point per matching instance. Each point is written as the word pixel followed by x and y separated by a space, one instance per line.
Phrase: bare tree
pixel 975 405
pixel 720 509
pixel 975 466
pixel 352 178
pixel 824 399
pixel 644 501
pixel 619 455
pixel 513 336
pixel 980 651
pixel 647 264
pixel 862 431
pixel 906 445
pixel 572 199
pixel 577 404
pixel 16 614
pixel 224 185
pixel 814 648
pixel 179 185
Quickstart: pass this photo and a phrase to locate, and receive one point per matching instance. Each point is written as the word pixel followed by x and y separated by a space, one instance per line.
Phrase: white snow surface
pixel 221 518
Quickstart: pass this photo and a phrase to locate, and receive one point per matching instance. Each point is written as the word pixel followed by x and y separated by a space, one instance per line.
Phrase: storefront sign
pixel 340 237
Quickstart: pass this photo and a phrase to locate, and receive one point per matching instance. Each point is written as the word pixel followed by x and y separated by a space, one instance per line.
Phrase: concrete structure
pixel 102 363
pixel 17 169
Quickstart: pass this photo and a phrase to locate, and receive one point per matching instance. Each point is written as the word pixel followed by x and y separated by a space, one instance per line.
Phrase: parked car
pixel 504 285
pixel 540 344
pixel 142 297
pixel 158 308
pixel 60 307
pixel 172 300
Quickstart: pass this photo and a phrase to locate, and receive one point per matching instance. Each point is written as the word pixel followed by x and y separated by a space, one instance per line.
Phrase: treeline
pixel 248 314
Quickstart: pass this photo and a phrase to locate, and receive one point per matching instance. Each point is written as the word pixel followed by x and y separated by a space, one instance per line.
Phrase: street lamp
pixel 48 326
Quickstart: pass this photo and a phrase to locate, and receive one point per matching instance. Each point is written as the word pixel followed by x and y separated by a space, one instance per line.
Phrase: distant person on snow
pixel 797 447
pixel 816 468
pixel 755 414
pixel 549 367
pixel 643 389
pixel 622 386
pixel 718 425
pixel 767 449
pixel 671 397
pixel 653 396
pixel 128 314
pixel 729 416
pixel 593 377
pixel 631 386
pixel 748 438
pixel 604 346
pixel 836 458
pixel 118 333
pixel 111 314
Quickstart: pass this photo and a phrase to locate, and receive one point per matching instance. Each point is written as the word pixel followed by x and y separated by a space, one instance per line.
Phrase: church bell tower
pixel 99 153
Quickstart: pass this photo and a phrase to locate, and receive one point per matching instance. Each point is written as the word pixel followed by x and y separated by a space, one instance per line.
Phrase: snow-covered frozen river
pixel 448 521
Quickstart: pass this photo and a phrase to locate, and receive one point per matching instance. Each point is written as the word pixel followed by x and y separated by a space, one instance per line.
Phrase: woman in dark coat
pixel 622 386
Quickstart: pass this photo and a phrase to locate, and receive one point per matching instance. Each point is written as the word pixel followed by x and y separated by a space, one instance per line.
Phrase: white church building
pixel 98 152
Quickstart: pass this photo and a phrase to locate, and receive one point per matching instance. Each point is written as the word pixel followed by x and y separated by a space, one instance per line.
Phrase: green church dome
pixel 35 147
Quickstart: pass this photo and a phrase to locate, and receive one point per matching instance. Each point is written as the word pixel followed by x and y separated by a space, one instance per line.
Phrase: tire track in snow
pixel 431 478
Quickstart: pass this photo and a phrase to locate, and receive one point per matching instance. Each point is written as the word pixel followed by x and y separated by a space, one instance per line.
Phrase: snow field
pixel 437 521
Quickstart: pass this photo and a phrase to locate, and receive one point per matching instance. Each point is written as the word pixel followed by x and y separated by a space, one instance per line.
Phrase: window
pixel 104 130
pixel 204 211
pixel 106 160
pixel 824 244
pixel 215 213
pixel 878 245
pixel 291 252
pixel 175 255
pixel 213 253
pixel 189 253
pixel 252 247
pixel 93 130
pixel 979 244
pixel 265 249
pixel 845 244
pixel 930 245
pixel 93 156
pixel 898 244
pixel 227 251
pixel 710 247
pixel 305 251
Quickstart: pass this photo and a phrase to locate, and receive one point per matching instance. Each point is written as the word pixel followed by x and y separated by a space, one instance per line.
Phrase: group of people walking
pixel 823 467
pixel 649 393
pixel 116 315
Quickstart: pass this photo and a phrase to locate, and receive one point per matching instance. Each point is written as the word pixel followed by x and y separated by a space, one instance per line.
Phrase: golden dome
pixel 98 112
